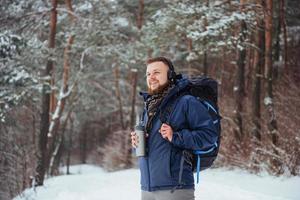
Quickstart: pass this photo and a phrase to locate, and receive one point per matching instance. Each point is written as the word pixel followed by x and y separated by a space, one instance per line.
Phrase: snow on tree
pixel 16 79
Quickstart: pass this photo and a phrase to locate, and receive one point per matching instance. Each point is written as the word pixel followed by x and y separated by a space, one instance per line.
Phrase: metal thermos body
pixel 140 150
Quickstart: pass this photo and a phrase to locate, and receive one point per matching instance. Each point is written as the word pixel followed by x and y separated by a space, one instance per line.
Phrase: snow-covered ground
pixel 93 183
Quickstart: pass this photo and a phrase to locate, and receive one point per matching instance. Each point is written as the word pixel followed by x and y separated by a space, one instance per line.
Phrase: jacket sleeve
pixel 201 133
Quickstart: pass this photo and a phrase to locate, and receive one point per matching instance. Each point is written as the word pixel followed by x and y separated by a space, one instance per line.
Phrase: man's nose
pixel 151 76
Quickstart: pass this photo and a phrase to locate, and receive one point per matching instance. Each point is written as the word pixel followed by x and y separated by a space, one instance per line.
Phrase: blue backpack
pixel 206 91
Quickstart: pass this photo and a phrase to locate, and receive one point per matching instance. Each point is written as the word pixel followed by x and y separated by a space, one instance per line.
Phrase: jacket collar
pixel 180 85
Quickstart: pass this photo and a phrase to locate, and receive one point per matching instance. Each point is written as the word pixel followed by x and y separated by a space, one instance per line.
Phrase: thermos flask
pixel 140 150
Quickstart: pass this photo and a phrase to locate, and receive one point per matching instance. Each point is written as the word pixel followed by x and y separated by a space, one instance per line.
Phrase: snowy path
pixel 92 183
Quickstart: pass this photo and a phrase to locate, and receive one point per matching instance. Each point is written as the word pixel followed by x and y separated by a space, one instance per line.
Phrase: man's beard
pixel 159 89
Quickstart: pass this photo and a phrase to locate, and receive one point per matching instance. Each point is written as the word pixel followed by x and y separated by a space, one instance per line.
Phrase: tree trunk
pixel 272 123
pixel 83 144
pixel 221 73
pixel 249 64
pixel 59 148
pixel 55 158
pixel 133 98
pixel 239 88
pixel 190 49
pixel 205 64
pixel 283 26
pixel 277 31
pixel 53 100
pixel 118 95
pixel 269 101
pixel 66 68
pixel 258 66
pixel 24 170
pixel 69 146
pixel 5 163
pixel 132 118
pixel 140 15
pixel 55 123
pixel 42 147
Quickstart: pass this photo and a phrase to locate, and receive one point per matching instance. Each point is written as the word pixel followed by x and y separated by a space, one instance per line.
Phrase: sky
pixel 89 182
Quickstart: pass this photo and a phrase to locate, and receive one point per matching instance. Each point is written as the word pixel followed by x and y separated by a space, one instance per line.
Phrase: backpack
pixel 206 91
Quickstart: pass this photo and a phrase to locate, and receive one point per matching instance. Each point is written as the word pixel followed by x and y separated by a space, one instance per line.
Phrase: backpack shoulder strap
pixel 165 114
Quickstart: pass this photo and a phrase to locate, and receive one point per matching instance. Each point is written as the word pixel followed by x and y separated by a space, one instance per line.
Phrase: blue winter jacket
pixel 193 129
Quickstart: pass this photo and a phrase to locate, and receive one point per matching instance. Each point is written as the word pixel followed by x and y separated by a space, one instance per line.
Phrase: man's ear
pixel 171 76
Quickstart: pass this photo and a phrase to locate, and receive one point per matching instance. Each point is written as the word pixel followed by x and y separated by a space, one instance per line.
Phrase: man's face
pixel 157 77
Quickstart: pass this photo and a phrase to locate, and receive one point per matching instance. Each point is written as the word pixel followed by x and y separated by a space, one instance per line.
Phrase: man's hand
pixel 166 131
pixel 135 139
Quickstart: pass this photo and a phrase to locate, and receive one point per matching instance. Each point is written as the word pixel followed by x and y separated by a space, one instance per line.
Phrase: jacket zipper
pixel 149 188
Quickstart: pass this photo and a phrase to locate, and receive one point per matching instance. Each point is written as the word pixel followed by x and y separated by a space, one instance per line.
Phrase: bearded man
pixel 189 127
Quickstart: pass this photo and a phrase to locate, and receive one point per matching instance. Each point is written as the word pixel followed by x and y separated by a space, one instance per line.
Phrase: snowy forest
pixel 71 72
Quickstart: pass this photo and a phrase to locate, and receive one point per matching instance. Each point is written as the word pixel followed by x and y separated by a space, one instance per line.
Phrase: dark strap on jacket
pixel 165 114
pixel 180 174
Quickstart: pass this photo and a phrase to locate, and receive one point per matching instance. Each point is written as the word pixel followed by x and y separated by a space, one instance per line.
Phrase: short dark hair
pixel 165 60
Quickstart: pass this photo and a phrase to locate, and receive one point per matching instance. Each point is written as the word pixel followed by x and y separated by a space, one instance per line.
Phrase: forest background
pixel 70 73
